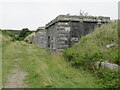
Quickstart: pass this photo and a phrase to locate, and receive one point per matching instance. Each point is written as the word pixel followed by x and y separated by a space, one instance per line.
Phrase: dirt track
pixel 16 79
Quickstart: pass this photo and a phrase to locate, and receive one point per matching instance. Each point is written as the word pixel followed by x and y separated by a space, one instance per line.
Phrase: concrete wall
pixel 64 31
pixel 51 37
pixel 64 34
pixel 40 38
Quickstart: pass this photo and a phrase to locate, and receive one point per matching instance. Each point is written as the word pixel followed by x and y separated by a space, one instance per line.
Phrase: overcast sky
pixel 18 14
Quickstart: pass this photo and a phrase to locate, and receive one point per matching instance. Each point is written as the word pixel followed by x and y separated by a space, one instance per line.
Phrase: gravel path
pixel 16 79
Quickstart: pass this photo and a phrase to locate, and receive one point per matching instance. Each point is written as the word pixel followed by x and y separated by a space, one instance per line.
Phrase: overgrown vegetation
pixel 92 48
pixel 110 79
pixel 27 39
pixel 45 70
pixel 24 33
pixel 6 38
pixel 18 35
pixel 11 33
pixel 48 70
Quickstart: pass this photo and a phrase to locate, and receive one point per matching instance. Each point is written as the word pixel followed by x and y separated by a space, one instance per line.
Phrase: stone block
pixel 102 64
pixel 97 64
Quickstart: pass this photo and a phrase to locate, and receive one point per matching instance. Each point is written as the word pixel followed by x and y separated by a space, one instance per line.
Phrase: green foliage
pixel 26 41
pixel 92 48
pixel 108 78
pixel 18 35
pixel 45 70
pixel 5 39
pixel 0 31
pixel 25 32
pixel 11 33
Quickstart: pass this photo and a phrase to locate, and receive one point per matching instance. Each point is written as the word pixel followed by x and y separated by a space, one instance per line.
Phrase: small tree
pixel 24 33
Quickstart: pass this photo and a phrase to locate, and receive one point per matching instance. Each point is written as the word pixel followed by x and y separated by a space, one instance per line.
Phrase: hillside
pixel 17 34
pixel 11 33
pixel 27 38
pixel 35 67
pixel 72 69
pixel 100 45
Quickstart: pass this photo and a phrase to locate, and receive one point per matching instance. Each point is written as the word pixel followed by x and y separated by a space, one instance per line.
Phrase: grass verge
pixel 93 48
pixel 45 70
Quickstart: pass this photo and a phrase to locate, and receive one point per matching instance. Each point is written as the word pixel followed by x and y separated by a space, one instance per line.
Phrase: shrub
pixel 110 79
pixel 92 48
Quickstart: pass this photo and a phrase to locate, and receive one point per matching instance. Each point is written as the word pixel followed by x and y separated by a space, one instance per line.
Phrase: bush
pixel 25 32
pixel 109 79
pixel 92 48
pixel 26 41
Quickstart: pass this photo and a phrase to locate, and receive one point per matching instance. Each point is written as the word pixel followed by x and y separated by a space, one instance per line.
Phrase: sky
pixel 18 14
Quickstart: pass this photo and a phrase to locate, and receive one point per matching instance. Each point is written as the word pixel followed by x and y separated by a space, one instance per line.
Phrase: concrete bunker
pixel 66 30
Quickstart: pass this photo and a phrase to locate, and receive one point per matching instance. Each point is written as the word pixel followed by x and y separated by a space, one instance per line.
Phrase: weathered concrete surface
pixel 40 37
pixel 66 30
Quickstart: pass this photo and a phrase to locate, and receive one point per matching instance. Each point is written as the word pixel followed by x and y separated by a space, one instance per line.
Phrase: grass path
pixel 44 70
pixel 13 76
pixel 16 80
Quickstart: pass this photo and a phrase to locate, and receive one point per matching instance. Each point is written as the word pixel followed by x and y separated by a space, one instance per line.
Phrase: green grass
pixel 6 61
pixel 92 48
pixel 45 70
pixel 11 33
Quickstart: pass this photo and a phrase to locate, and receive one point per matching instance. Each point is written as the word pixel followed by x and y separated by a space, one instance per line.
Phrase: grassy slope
pixel 27 38
pixel 45 69
pixel 11 33
pixel 93 46
pixel 6 40
pixel 49 70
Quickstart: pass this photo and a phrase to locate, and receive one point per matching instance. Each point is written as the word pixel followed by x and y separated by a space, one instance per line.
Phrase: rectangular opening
pixel 48 41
